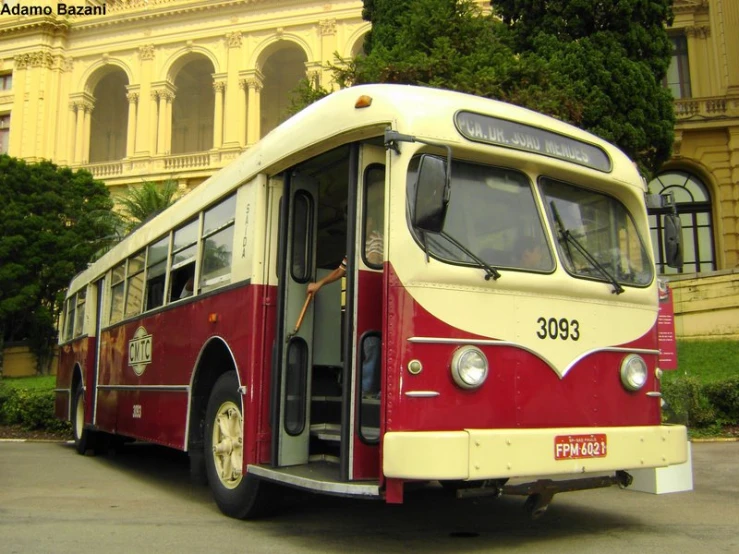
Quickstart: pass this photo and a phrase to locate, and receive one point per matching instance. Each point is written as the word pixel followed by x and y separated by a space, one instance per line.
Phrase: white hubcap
pixel 228 444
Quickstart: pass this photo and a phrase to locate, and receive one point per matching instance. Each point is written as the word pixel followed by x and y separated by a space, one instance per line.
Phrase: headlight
pixel 469 367
pixel 633 372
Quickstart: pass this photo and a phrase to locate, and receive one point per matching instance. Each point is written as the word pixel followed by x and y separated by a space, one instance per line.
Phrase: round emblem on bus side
pixel 139 351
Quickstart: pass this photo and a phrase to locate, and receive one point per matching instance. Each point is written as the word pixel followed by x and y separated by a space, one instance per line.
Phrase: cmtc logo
pixel 139 351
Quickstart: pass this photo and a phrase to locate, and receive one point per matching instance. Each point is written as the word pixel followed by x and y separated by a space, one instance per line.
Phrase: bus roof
pixel 409 109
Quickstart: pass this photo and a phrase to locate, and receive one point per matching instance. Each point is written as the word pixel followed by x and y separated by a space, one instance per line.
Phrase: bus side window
pixel 79 317
pixel 217 245
pixel 69 318
pixel 135 284
pixel 184 249
pixel 374 215
pixel 156 271
pixel 117 284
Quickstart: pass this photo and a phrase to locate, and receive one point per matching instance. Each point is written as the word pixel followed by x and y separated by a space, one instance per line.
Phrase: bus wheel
pixel 84 439
pixel 237 495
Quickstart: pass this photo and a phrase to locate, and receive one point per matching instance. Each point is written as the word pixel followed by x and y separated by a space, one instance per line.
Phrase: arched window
pixel 693 204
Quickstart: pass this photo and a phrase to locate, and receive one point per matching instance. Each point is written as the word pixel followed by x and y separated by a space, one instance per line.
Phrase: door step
pixel 326 431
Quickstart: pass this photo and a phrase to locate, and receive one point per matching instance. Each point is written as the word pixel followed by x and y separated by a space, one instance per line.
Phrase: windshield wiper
pixel 490 271
pixel 570 238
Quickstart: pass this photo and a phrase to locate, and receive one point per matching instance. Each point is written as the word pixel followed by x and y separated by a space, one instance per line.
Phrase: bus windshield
pixel 599 227
pixel 492 214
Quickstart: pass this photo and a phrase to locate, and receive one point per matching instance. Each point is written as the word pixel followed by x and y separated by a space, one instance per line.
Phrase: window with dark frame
pixel 678 73
pixel 694 206
pixel 4 132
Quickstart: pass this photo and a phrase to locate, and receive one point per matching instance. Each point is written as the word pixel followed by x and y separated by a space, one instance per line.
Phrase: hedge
pixel 31 409
pixel 686 400
pixel 702 405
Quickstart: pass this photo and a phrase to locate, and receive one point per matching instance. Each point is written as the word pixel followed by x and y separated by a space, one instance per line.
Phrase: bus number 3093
pixel 554 328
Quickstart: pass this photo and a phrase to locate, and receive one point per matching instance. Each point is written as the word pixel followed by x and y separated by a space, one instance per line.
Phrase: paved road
pixel 140 500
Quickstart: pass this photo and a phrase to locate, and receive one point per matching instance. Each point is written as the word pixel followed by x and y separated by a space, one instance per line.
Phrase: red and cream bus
pixel 505 341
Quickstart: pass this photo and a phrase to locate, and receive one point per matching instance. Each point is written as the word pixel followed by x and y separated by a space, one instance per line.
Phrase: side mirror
pixel 673 241
pixel 432 186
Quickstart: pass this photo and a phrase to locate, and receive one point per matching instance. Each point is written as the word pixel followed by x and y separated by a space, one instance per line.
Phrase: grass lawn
pixel 706 360
pixel 45 382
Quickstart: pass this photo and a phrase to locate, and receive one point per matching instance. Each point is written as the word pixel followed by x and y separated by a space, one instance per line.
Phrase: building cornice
pixel 690 6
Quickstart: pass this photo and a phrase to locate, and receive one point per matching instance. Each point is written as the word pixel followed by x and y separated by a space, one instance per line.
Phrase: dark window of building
pixel 4 133
pixel 693 203
pixel 678 74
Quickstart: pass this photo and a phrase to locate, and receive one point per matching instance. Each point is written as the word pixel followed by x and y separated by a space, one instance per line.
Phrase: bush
pixel 31 409
pixel 724 396
pixel 699 404
pixel 687 402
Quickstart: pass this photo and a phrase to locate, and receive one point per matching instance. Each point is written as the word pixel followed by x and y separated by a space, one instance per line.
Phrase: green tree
pixel 612 55
pixel 141 203
pixel 49 228
pixel 597 64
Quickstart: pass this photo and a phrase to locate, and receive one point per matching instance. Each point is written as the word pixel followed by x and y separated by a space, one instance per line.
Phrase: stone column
pixel 133 102
pixel 72 133
pixel 169 97
pixel 231 137
pixel 254 110
pixel 154 122
pixel 241 111
pixel 146 109
pixel 87 108
pixel 729 9
pixel 162 126
pixel 79 131
pixel 21 64
pixel 219 87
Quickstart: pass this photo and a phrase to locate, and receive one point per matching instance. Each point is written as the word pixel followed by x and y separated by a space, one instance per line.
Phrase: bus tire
pixel 237 495
pixel 84 439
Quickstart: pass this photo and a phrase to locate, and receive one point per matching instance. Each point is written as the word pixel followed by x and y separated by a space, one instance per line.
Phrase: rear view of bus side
pixel 494 331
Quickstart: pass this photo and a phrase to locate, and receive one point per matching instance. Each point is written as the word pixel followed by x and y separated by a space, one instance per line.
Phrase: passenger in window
pixel 187 289
pixel 373 248
pixel 531 254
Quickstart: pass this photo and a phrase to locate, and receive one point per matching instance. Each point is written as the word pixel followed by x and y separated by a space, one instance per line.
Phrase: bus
pixel 504 340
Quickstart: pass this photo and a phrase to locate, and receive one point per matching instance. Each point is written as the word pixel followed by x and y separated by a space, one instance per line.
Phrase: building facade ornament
pixel 698 31
pixel 146 52
pixel 233 40
pixel 327 27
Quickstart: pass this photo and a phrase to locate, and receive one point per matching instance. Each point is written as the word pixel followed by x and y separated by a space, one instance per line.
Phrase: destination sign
pixel 502 132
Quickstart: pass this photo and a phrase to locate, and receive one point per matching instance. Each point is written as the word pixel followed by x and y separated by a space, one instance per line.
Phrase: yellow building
pixel 175 89
pixel 703 174
pixel 160 89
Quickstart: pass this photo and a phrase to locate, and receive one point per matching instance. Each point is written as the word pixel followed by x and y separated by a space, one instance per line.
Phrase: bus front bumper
pixel 475 454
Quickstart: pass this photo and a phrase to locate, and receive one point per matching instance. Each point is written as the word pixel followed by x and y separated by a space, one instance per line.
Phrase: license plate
pixel 574 447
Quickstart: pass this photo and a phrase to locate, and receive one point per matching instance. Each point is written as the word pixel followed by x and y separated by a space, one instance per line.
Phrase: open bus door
pixel 365 420
pixel 320 411
pixel 297 268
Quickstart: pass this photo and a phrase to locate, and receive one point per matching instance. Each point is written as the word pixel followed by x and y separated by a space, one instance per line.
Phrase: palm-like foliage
pixel 140 204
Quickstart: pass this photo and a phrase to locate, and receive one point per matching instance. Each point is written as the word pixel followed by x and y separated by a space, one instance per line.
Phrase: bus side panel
pixel 258 375
pixel 369 319
pixel 147 364
pixel 521 391
pixel 78 352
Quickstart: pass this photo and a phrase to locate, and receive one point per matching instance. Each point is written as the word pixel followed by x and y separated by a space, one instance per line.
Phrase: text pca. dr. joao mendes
pixel 60 9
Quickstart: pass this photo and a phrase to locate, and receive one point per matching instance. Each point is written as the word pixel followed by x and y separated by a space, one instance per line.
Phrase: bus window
pixel 156 264
pixel 117 284
pixel 135 286
pixel 302 237
pixel 603 227
pixel 374 215
pixel 217 245
pixel 69 319
pixel 184 249
pixel 79 318
pixel 493 214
